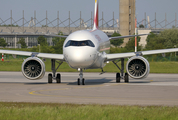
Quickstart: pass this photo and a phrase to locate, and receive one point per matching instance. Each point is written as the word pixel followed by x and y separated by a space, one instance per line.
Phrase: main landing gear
pixel 121 75
pixel 81 79
pixel 53 76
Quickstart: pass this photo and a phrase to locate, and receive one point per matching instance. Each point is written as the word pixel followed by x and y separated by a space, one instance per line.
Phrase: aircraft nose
pixel 80 58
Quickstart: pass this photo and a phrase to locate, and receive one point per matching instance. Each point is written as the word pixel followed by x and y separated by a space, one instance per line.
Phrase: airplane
pixel 87 49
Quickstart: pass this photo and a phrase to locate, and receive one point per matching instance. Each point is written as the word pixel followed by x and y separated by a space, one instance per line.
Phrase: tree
pixel 22 42
pixel 130 46
pixel 173 26
pixel 155 43
pixel 9 25
pixel 59 46
pixel 118 50
pixel 141 26
pixel 151 41
pixel 169 37
pixel 117 42
pixel 166 39
pixel 42 41
pixel 3 42
pixel 151 36
pixel 44 26
pixel 47 49
pixel 57 39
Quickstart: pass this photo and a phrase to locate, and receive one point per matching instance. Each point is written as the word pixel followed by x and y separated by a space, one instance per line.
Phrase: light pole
pixel 39 47
pixel 60 35
pixel 175 46
pixel 135 34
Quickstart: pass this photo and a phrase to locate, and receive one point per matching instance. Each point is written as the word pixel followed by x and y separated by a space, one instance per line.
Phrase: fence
pixel 155 24
pixel 58 23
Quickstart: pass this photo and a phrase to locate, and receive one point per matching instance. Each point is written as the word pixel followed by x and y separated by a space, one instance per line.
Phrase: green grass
pixel 164 67
pixel 155 67
pixel 56 111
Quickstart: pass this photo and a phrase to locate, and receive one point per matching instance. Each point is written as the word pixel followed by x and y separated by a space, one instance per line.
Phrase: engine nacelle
pixel 138 67
pixel 33 68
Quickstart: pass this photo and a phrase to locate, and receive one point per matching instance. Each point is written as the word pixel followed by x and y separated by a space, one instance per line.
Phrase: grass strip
pixel 155 67
pixel 56 111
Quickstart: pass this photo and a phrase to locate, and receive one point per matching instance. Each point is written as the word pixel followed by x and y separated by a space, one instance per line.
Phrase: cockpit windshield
pixel 80 43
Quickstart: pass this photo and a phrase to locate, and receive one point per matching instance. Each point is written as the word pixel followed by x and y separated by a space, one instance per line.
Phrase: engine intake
pixel 33 68
pixel 138 67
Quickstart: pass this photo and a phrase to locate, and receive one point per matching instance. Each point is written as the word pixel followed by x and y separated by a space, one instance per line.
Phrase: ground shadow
pixel 93 81
pixel 35 83
pixel 139 82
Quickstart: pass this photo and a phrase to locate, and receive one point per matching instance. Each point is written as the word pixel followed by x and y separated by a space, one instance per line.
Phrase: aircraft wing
pixel 43 55
pixel 111 57
pixel 119 37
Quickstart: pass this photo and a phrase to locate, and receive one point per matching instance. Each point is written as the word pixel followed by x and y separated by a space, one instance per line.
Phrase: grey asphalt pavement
pixel 156 89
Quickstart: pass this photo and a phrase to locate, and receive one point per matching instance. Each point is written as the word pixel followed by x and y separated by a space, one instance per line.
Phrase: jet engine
pixel 138 67
pixel 33 68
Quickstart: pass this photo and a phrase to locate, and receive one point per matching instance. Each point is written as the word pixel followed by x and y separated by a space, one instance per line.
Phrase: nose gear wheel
pixel 81 79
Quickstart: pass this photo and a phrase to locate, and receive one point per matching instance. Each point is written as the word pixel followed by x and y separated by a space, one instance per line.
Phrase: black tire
pixel 50 79
pixel 78 81
pixel 126 78
pixel 58 78
pixel 83 81
pixel 118 78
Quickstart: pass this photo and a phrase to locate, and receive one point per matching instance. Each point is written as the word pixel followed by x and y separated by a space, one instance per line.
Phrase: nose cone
pixel 80 57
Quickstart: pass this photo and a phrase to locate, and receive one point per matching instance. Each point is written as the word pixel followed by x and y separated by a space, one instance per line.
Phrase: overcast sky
pixel 86 6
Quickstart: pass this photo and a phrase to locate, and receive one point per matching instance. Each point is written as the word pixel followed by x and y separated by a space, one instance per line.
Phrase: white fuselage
pixel 86 49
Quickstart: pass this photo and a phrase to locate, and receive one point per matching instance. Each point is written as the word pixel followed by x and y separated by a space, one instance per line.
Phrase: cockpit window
pixel 80 43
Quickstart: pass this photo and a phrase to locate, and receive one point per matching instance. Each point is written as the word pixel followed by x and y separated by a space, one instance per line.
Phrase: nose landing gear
pixel 81 79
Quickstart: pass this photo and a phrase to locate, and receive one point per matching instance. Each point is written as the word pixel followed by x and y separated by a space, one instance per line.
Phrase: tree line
pixel 165 39
pixel 42 41
pixel 9 25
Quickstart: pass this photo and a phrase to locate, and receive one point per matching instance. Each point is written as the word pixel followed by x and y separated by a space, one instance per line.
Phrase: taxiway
pixel 156 89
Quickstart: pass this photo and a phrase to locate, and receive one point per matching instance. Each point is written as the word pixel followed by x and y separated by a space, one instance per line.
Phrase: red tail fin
pixel 96 16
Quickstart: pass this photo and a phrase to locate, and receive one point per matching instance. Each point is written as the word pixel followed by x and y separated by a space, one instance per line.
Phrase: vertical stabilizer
pixel 96 15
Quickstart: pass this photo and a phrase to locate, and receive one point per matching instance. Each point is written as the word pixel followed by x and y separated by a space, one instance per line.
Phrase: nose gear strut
pixel 81 79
